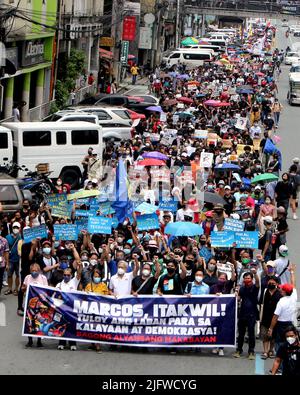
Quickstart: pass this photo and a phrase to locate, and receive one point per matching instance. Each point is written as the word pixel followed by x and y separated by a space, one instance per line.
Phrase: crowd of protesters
pixel 235 100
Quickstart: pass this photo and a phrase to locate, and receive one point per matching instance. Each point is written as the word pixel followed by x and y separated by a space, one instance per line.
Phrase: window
pixel 8 194
pixel 175 55
pixel 105 100
pixel 196 56
pixel 122 114
pixel 34 139
pixel 80 119
pixel 3 140
pixel 84 137
pixel 102 115
pixel 117 101
pixel 61 138
pixel 114 125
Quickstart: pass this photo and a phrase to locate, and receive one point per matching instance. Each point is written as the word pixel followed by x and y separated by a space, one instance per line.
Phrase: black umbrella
pixel 214 198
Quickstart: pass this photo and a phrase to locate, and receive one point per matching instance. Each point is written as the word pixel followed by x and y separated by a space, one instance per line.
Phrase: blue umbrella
pixel 155 155
pixel 155 108
pixel 227 166
pixel 172 73
pixel 183 229
pixel 201 95
pixel 244 91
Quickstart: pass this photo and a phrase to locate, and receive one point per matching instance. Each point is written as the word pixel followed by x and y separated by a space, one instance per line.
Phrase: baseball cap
pixel 257 188
pixel 16 225
pixel 221 182
pixel 288 288
pixel 283 249
pixel 268 219
pixel 271 263
pixel 208 214
pixel 281 210
pixel 296 160
pixel 227 187
pixel 94 181
pixel 46 242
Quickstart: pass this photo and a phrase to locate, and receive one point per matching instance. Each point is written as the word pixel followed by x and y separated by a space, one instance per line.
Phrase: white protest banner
pixel 206 159
pixel 175 119
pixel 225 268
pixel 200 134
pixel 163 117
pixel 241 123
pixel 160 175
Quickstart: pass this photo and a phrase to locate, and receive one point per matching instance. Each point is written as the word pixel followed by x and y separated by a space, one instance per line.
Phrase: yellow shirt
pixel 100 289
pixel 134 70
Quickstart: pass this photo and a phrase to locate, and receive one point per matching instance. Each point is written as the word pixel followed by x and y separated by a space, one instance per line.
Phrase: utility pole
pixel 178 24
pixel 117 23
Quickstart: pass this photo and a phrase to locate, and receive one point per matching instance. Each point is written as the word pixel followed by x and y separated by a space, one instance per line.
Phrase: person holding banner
pixel 144 283
pixel 121 283
pixel 172 282
pixel 197 287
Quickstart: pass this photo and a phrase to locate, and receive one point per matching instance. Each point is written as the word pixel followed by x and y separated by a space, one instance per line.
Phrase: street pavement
pixel 16 359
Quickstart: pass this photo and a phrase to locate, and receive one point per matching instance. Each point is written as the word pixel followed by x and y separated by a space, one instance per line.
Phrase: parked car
pixel 292 57
pixel 148 99
pixel 11 195
pixel 125 101
pixel 71 116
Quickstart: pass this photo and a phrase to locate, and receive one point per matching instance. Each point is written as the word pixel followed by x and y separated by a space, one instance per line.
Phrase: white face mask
pixel 121 271
pixel 120 240
pixel 59 183
pixel 16 231
pixel 93 262
pixel 47 250
pixel 146 272
pixel 198 279
pixel 291 340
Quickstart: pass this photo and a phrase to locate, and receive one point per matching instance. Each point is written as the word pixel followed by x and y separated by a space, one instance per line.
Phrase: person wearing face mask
pixel 208 225
pixel 210 277
pixel 286 309
pixel 34 278
pixel 282 264
pixel 197 287
pixel 269 298
pixel 288 355
pixel 184 211
pixel 58 185
pixel 266 209
pixel 85 162
pixel 145 282
pixel 47 261
pixel 283 191
pixel 25 209
pixel 248 313
pixel 121 283
pixel 13 266
pixel 4 256
pixel 89 263
pixel 172 282
pixel 204 250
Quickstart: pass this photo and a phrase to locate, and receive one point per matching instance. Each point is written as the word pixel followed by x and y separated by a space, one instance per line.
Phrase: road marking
pixel 259 365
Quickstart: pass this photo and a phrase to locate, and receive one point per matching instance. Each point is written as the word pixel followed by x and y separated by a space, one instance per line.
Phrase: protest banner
pixel 65 232
pixel 206 159
pixel 160 175
pixel 105 208
pixel 168 205
pixel 200 134
pixel 241 123
pixel 222 239
pixel 225 268
pixel 226 143
pixel 246 239
pixel 81 213
pixel 34 233
pixel 54 199
pixel 234 225
pixel 83 194
pixel 206 321
pixel 147 222
pixel 146 208
pixel 62 210
pixel 98 224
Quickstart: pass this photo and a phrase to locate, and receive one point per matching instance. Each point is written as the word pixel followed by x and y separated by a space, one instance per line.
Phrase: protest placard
pixel 168 205
pixel 222 239
pixel 34 233
pixel 81 224
pixel 99 224
pixel 54 199
pixel 146 208
pixel 241 123
pixel 227 143
pixel 66 232
pixel 225 268
pixel 206 159
pixel 163 117
pixel 246 239
pixel 81 213
pixel 154 137
pixel 234 225
pixel 200 134
pixel 160 175
pixel 147 222
pixel 83 194
pixel 62 210
pixel 175 119
pixel 105 208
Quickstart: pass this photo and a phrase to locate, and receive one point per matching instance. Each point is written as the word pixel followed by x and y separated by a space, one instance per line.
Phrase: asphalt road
pixel 16 359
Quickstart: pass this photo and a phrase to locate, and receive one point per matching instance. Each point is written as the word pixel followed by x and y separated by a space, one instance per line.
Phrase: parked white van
pixel 61 144
pixel 192 57
pixel 215 48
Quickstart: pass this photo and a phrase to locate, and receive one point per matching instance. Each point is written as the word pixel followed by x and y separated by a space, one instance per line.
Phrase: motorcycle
pixel 39 184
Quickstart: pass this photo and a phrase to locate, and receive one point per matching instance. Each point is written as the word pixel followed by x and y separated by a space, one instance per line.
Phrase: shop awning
pixel 105 54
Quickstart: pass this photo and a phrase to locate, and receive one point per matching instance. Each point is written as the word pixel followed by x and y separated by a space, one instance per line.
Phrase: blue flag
pixel 270 148
pixel 122 205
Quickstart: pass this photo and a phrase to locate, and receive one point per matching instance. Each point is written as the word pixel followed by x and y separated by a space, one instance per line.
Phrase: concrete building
pixel 29 47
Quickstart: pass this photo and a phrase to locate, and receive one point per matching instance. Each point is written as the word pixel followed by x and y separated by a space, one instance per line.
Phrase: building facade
pixel 30 48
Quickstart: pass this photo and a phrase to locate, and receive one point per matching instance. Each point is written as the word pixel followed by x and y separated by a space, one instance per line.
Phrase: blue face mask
pixel 63 265
pixel 67 278
pixel 35 274
pixel 127 251
pixel 97 280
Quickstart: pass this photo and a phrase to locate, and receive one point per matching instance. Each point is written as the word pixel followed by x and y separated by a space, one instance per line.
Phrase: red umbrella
pixel 151 162
pixel 260 74
pixel 212 102
pixel 222 104
pixel 186 100
pixel 169 102
pixel 134 115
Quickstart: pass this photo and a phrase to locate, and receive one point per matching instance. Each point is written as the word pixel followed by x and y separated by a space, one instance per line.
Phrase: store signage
pixel 124 52
pixel 33 52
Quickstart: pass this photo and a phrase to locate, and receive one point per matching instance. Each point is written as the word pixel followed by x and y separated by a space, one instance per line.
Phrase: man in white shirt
pixel 255 131
pixel 121 283
pixel 282 264
pixel 184 212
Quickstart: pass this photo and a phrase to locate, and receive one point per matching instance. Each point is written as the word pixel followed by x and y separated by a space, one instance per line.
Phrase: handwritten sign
pixel 168 205
pixel 83 194
pixel 54 199
pixel 246 239
pixel 62 210
pixel 66 232
pixel 234 225
pixel 222 239
pixel 147 222
pixel 206 159
pixel 225 268
pixel 34 233
pixel 99 224
pixel 200 134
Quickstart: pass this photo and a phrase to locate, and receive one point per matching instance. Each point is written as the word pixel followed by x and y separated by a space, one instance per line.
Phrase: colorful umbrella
pixel 194 83
pixel 212 102
pixel 224 61
pixel 155 108
pixel 135 115
pixel 169 102
pixel 189 41
pixel 223 104
pixel 181 228
pixel 155 155
pixel 227 166
pixel 151 162
pixel 183 76
pixel 264 177
pixel 260 74
pixel 186 100
pixel 213 198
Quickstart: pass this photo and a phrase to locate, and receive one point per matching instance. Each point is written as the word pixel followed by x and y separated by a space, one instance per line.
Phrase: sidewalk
pixel 141 85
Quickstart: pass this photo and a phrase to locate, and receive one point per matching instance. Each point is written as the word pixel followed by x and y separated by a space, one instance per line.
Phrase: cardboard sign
pixel 99 224
pixel 227 143
pixel 147 222
pixel 222 239
pixel 206 159
pixel 66 232
pixel 234 225
pixel 35 232
pixel 225 268
pixel 246 239
pixel 62 210
pixel 201 134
